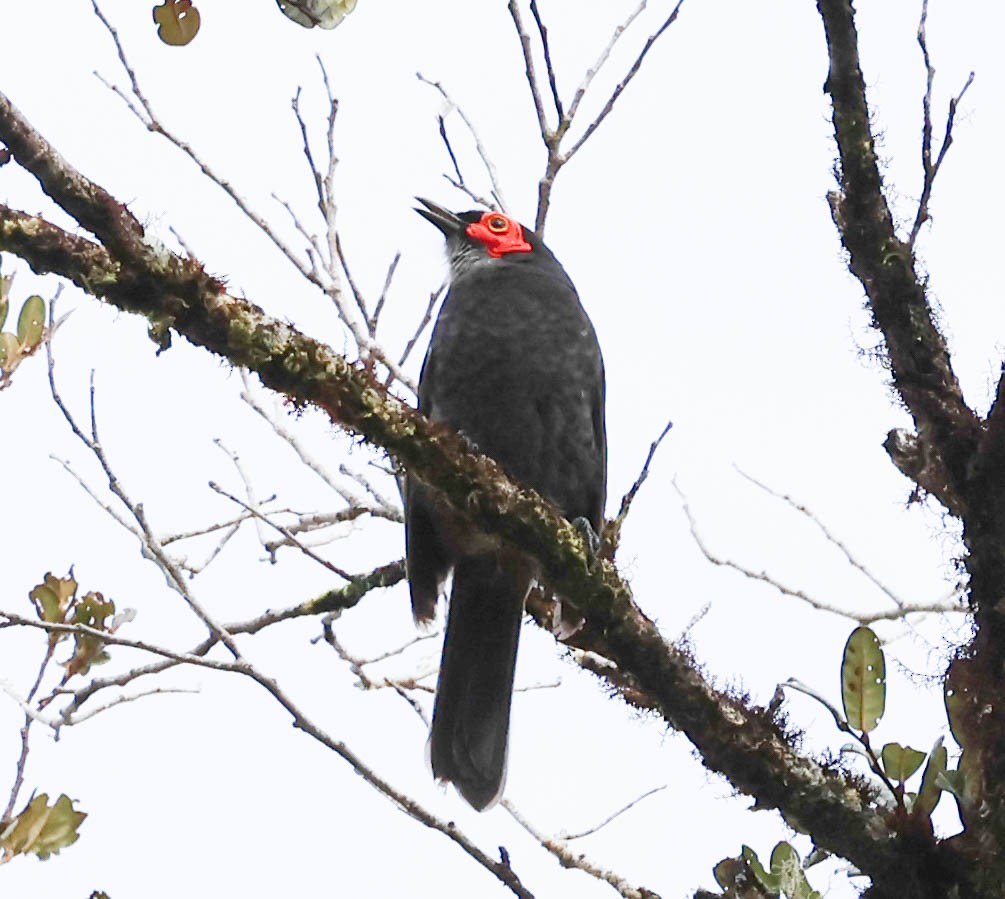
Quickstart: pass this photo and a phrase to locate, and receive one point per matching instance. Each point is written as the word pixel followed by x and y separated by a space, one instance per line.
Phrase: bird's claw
pixel 590 536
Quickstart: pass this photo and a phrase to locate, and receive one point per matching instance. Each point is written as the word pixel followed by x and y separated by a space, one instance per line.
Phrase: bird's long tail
pixel 471 716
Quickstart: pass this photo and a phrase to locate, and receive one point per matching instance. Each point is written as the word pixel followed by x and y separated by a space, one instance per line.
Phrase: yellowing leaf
pixel 92 610
pixel 317 13
pixel 863 680
pixel 53 596
pixel 177 22
pixel 31 323
pixel 41 829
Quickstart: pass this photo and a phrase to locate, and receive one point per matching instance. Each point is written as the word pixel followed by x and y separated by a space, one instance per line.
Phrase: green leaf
pixel 31 322
pixel 788 868
pixel 900 762
pixel 956 705
pixel 10 351
pixel 930 792
pixel 177 22
pixel 954 782
pixel 768 880
pixel 963 782
pixel 42 829
pixel 863 680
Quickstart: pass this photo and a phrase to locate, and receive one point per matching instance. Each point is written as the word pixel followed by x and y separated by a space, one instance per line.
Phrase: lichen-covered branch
pixel 884 264
pixel 954 455
pixel 746 744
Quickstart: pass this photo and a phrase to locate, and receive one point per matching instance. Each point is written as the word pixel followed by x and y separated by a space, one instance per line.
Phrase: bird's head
pixel 479 236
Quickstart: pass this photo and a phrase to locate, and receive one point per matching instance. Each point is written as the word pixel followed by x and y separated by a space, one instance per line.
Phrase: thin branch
pixel 930 169
pixel 546 49
pixel 382 501
pixel 122 700
pixel 253 506
pixel 328 205
pixel 151 546
pixel 30 716
pixel 570 858
pixel 831 538
pixel 316 176
pixel 612 531
pixel 498 200
pixel 601 60
pixel 287 535
pixel 632 72
pixel 340 599
pixel 227 525
pixel 602 824
pixel 501 869
pixel 152 123
pixel 899 612
pixel 383 508
pixel 528 61
pixel 375 318
pixel 427 317
pixel 553 137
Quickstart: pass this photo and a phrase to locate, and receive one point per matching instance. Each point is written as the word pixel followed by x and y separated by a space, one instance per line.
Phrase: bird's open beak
pixel 444 219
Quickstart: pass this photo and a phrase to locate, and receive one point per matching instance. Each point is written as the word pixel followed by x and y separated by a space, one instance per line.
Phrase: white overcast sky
pixel 696 228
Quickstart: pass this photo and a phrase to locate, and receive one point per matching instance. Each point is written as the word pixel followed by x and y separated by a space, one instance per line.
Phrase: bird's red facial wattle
pixel 500 234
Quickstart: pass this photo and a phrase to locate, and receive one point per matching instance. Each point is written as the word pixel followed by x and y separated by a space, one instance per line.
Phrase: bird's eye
pixel 497 224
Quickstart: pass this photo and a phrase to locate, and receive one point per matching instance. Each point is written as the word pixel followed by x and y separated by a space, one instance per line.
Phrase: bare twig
pixel 382 501
pixel 287 535
pixel 140 528
pixel 629 497
pixel 498 201
pixel 528 61
pixel 592 830
pixel 546 49
pixel 227 525
pixel 123 699
pixel 831 538
pixel 30 716
pixel 502 870
pixel 570 858
pixel 553 136
pixel 330 284
pixel 151 122
pixel 427 317
pixel 375 318
pixel 612 531
pixel 624 82
pixel 383 507
pixel 899 612
pixel 339 599
pixel 931 170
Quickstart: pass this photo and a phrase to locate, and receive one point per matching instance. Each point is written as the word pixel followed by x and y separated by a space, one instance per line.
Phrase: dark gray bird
pixel 514 364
